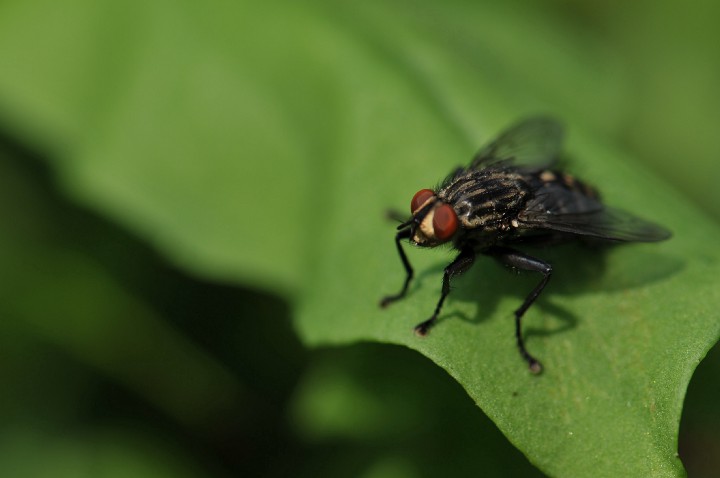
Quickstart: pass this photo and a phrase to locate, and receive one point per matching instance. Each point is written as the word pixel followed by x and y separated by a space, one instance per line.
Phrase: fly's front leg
pixel 387 300
pixel 518 260
pixel 461 264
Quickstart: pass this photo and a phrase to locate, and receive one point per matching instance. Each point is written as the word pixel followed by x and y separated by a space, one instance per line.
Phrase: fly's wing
pixel 532 142
pixel 572 212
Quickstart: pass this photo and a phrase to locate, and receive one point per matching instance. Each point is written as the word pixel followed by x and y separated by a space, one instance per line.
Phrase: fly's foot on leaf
pixel 535 367
pixel 422 329
pixel 387 300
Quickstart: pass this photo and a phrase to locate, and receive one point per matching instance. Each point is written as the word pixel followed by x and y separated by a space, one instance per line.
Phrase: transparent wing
pixel 532 142
pixel 573 213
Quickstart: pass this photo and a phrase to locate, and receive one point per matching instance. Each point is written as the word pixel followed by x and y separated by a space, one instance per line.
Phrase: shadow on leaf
pixel 577 269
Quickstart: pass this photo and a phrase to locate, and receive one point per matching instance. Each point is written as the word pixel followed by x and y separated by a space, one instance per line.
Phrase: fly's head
pixel 433 221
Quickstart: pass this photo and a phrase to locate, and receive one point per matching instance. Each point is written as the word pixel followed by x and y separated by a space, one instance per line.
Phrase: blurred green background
pixel 166 168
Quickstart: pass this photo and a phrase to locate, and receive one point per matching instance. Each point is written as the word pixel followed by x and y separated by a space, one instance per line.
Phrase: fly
pixel 512 195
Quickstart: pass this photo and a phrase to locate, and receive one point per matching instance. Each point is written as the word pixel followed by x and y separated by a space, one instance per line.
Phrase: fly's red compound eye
pixel 445 222
pixel 419 199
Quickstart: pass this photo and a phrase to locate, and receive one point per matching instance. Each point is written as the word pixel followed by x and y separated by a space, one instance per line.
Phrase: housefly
pixel 512 195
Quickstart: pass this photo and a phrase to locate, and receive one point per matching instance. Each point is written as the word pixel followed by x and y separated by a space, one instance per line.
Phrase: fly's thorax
pixel 487 200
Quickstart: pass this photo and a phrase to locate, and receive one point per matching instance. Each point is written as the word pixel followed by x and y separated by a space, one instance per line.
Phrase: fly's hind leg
pixel 518 260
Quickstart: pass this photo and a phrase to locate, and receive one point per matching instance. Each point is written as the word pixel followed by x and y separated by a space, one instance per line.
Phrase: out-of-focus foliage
pixel 256 145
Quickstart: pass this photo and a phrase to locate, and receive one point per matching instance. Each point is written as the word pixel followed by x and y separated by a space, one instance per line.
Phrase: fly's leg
pixel 461 264
pixel 518 260
pixel 387 300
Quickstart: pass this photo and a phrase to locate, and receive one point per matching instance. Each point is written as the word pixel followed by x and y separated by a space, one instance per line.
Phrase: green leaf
pixel 619 338
pixel 55 291
pixel 675 68
pixel 216 131
pixel 264 143
pixel 108 453
pixel 410 414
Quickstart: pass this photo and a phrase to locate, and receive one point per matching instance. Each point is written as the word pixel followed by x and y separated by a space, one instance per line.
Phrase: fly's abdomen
pixel 554 179
pixel 558 193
